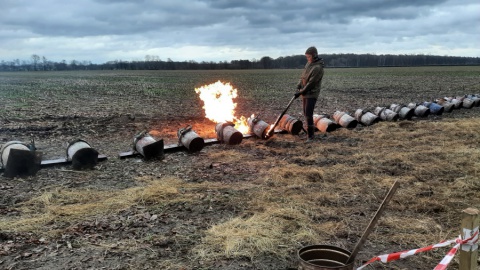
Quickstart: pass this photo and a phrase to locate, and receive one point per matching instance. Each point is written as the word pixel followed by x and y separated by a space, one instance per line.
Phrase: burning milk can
pixel 323 123
pixel 188 138
pixel 147 146
pixel 18 159
pixel 344 120
pixel 403 111
pixel 257 127
pixel 290 124
pixel 81 154
pixel 366 118
pixel 227 133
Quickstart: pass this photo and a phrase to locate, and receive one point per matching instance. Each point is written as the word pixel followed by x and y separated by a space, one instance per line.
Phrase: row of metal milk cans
pixel 394 112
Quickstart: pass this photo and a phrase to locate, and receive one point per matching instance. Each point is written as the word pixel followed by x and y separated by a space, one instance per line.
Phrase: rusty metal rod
pixel 374 220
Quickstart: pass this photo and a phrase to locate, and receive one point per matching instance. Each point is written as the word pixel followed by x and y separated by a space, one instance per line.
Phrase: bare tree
pixel 44 63
pixel 35 61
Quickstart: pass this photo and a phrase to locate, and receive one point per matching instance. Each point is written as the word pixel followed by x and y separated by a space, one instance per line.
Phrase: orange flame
pixel 242 125
pixel 219 106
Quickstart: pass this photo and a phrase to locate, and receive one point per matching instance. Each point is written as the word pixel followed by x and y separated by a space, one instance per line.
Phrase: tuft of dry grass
pixel 272 232
pixel 69 205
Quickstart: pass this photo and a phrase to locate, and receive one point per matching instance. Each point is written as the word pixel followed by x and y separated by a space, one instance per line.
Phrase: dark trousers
pixel 308 107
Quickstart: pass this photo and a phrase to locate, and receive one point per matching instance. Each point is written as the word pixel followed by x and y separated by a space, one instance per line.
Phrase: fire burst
pixel 219 106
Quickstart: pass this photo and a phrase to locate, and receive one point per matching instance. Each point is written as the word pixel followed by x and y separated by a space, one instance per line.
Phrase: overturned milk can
pixel 344 119
pixel 190 140
pixel 324 257
pixel 476 100
pixel 419 110
pixel 467 103
pixel 81 154
pixel 386 114
pixel 290 124
pixel 258 127
pixel 435 108
pixel 227 133
pixel 366 118
pixel 404 112
pixel 323 123
pixel 147 146
pixel 19 159
pixel 457 103
pixel 448 106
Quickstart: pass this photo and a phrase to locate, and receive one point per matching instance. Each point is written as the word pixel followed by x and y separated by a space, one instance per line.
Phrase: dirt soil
pixel 144 236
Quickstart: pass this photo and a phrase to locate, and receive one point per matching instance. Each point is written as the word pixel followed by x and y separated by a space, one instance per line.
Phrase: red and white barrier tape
pixel 469 244
pixel 470 241
pixel 448 258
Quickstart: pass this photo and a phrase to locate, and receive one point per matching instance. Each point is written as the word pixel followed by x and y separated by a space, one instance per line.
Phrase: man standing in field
pixel 309 87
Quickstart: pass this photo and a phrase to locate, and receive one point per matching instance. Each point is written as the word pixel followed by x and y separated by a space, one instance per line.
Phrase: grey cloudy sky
pixel 219 30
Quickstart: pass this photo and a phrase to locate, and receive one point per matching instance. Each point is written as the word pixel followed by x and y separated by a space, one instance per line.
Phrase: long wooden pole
pixel 373 222
pixel 272 128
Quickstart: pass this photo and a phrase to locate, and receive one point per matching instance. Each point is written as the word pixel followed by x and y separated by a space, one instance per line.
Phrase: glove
pixel 297 94
pixel 299 87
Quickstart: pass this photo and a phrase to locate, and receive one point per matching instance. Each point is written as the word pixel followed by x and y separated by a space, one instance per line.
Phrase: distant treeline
pixel 37 63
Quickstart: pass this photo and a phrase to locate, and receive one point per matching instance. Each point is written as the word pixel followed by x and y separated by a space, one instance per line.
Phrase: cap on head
pixel 312 51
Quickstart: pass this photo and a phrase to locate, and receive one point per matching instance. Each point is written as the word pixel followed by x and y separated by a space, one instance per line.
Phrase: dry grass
pixel 243 206
pixel 229 156
pixel 436 163
pixel 70 205
pixel 324 193
pixel 273 232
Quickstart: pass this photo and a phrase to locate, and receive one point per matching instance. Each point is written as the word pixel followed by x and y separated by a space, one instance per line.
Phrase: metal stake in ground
pixel 272 128
pixel 374 220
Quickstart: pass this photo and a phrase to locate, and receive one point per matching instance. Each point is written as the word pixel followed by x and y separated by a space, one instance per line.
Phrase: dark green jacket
pixel 311 80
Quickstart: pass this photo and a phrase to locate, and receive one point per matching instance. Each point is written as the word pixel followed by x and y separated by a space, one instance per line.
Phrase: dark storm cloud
pixel 101 17
pixel 338 11
pixel 389 10
pixel 247 28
